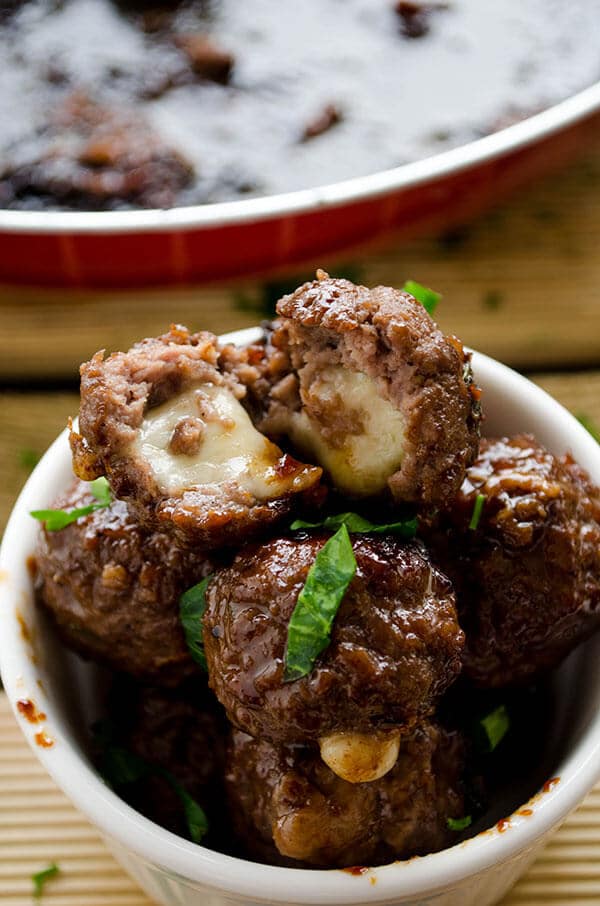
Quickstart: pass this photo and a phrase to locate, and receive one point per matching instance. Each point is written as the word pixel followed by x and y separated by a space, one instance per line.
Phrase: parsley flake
pixel 427 297
pixel 477 511
pixel 495 726
pixel 55 520
pixel 356 524
pixel 39 879
pixel 589 425
pixel 459 824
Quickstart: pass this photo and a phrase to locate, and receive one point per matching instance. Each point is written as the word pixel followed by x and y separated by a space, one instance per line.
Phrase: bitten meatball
pixel 287 806
pixel 182 732
pixel 395 644
pixel 365 384
pixel 165 424
pixel 528 575
pixel 113 589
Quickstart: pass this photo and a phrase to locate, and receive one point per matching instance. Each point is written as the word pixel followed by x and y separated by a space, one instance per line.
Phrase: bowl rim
pixel 187 862
pixel 220 214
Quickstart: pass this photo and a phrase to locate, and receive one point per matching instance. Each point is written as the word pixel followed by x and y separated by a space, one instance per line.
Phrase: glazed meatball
pixel 113 589
pixel 287 806
pixel 364 383
pixel 165 425
pixel 528 575
pixel 395 643
pixel 182 732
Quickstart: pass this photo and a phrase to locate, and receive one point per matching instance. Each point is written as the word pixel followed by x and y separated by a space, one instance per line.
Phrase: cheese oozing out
pixel 230 448
pixel 360 463
pixel 360 757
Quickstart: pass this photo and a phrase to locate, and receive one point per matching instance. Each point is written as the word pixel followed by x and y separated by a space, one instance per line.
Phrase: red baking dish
pixel 235 239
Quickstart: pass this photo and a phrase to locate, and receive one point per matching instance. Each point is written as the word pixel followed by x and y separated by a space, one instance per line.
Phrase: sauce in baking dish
pixel 122 103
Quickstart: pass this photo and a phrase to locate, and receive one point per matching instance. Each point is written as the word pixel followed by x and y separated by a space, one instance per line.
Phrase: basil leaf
pixel 477 511
pixel 356 524
pixel 192 605
pixel 120 767
pixel 427 297
pixel 309 629
pixel 40 878
pixel 459 824
pixel 55 520
pixel 589 425
pixel 495 726
pixel 195 816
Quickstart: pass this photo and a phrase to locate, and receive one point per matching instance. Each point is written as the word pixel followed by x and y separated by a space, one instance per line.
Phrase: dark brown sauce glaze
pixel 194 102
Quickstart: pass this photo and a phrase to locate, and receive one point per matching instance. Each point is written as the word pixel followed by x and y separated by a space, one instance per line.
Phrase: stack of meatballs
pixel 354 400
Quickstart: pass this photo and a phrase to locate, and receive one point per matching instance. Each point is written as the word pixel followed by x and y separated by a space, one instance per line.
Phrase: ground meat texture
pixel 91 157
pixel 528 577
pixel 287 807
pixel 182 732
pixel 163 421
pixel 113 589
pixel 372 390
pixel 395 646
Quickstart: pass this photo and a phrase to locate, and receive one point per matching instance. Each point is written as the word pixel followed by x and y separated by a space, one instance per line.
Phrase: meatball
pixel 287 806
pixel 113 589
pixel 164 423
pixel 364 383
pixel 528 575
pixel 182 732
pixel 395 643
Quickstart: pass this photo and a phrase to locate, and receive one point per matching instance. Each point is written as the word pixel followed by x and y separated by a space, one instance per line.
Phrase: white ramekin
pixel 175 872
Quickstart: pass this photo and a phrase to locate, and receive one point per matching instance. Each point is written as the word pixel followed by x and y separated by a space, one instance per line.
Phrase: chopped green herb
pixel 100 489
pixel 192 605
pixel 459 824
pixel 120 767
pixel 55 520
pixel 589 425
pixel 495 726
pixel 195 815
pixel 493 299
pixel 477 511
pixel 28 459
pixel 427 297
pixel 39 879
pixel 309 630
pixel 407 528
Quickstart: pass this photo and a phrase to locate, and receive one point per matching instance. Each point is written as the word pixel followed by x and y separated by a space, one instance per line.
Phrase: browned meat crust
pixel 387 335
pixel 396 644
pixel 92 158
pixel 113 589
pixel 117 392
pixel 528 578
pixel 287 805
pixel 182 732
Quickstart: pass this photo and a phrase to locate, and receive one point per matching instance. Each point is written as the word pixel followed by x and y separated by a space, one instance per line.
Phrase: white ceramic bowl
pixel 173 871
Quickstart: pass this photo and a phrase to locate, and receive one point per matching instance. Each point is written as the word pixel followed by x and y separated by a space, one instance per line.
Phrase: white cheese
pixel 231 449
pixel 361 463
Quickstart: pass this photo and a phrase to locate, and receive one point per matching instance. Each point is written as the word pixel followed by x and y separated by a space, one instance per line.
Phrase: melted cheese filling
pixel 363 462
pixel 231 449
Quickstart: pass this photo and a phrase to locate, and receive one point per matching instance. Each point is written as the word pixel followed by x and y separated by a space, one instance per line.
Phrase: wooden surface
pixel 522 284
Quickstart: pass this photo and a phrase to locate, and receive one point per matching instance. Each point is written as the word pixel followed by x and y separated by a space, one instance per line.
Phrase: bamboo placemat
pixel 38 825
